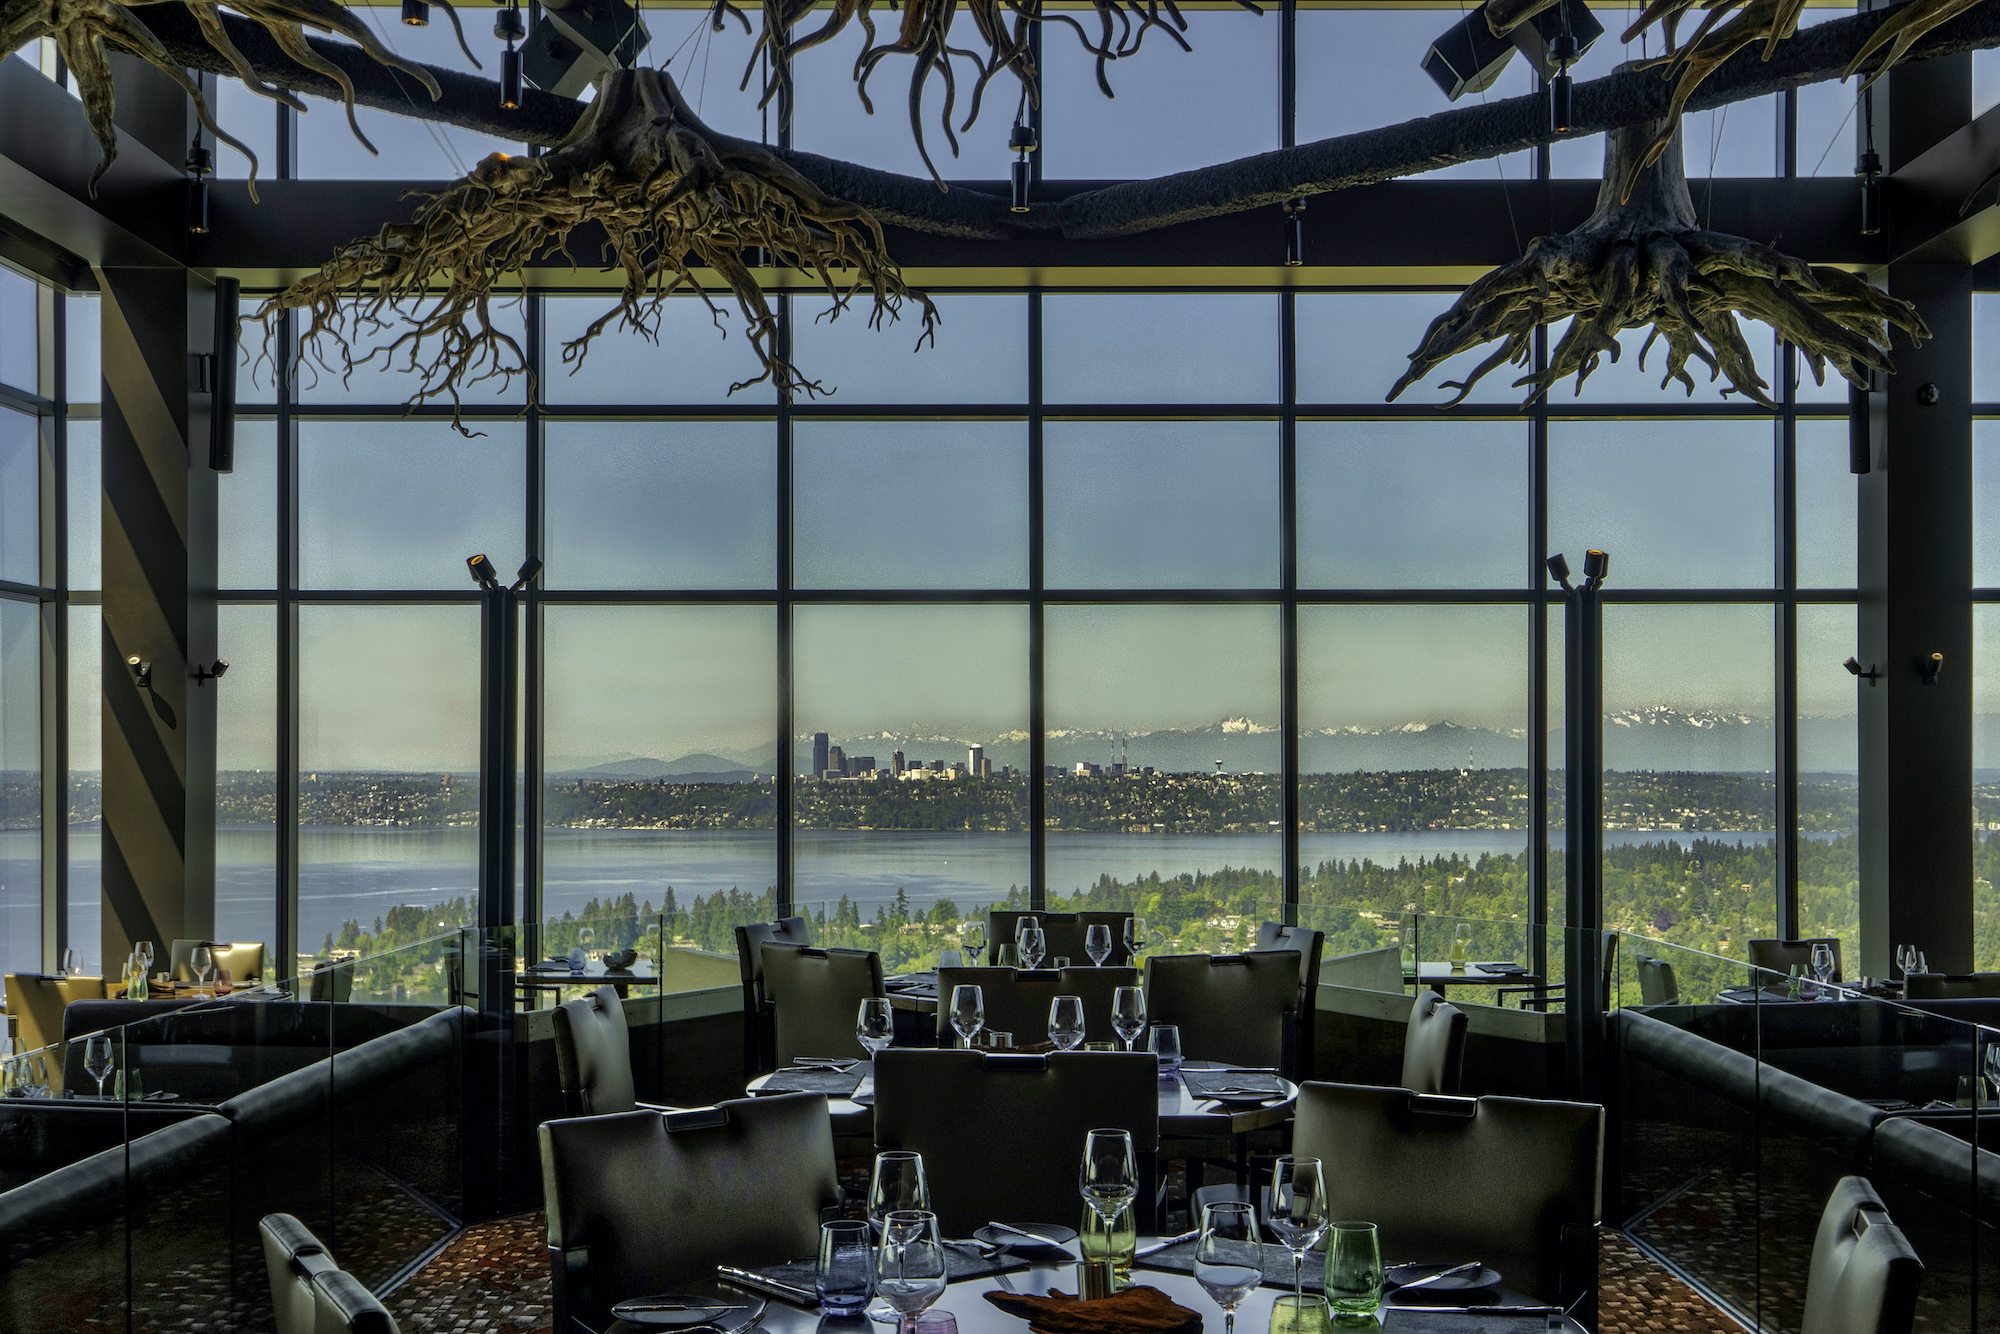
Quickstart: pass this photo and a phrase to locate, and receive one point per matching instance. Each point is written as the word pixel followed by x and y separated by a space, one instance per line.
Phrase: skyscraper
pixel 896 761
pixel 819 754
pixel 975 757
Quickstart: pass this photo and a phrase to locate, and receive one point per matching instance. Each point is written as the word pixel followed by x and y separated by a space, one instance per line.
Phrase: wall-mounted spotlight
pixel 1931 668
pixel 1871 676
pixel 526 574
pixel 483 572
pixel 203 675
pixel 1559 571
pixel 142 672
pixel 1295 232
pixel 1596 564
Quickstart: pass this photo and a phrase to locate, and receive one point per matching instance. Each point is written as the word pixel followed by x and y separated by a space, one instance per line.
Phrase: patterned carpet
pixel 494 1279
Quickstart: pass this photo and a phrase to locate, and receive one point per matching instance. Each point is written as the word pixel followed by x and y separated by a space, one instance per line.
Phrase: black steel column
pixel 1538 675
pixel 499 741
pixel 1785 790
pixel 54 439
pixel 784 779
pixel 1583 818
pixel 1038 736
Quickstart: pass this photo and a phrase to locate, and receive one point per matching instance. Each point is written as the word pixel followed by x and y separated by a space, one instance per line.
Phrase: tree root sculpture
pixel 1646 261
pixel 84 30
pixel 670 194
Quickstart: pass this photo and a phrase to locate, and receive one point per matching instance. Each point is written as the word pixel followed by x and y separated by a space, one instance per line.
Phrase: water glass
pixel 909 1264
pixel 1300 1315
pixel 97 1059
pixel 1128 1014
pixel 1109 1175
pixel 972 936
pixel 1353 1269
pixel 1115 1243
pixel 968 1012
pixel 1033 944
pixel 875 1025
pixel 1006 956
pixel 846 1276
pixel 1097 944
pixel 1295 1209
pixel 1228 1260
pixel 1165 1043
pixel 1066 1022
pixel 999 1040
pixel 1101 1046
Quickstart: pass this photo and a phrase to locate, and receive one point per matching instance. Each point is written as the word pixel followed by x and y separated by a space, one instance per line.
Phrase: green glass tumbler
pixel 1353 1269
pixel 1291 1314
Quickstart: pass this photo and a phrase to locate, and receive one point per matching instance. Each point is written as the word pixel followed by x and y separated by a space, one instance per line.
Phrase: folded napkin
pixel 912 981
pixel 1500 968
pixel 1136 1310
pixel 1402 1320
pixel 1277 1264
pixel 1208 1083
pixel 958 1264
pixel 833 1083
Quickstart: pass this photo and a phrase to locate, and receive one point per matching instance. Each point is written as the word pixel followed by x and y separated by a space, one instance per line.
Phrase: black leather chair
pixel 309 1292
pixel 1951 986
pixel 594 1055
pixel 1063 934
pixel 1228 1007
pixel 1658 985
pixel 1545 995
pixel 1002 1133
pixel 1017 1000
pixel 332 982
pixel 815 997
pixel 1864 1276
pixel 758 1038
pixel 1781 956
pixel 640 1202
pixel 1433 1045
pixel 1410 1162
pixel 1311 945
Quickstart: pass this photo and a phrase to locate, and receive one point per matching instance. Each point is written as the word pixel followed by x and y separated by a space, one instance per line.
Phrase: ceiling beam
pixel 1943 206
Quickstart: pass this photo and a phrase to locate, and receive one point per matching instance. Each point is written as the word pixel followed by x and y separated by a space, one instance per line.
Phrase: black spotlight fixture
pixel 483 572
pixel 142 672
pixel 1931 668
pixel 203 675
pixel 417 13
pixel 1022 141
pixel 1596 564
pixel 200 162
pixel 1559 570
pixel 1871 676
pixel 1295 232
pixel 510 28
pixel 1868 166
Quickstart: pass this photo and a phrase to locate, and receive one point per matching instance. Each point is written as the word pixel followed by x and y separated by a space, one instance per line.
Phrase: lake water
pixel 360 873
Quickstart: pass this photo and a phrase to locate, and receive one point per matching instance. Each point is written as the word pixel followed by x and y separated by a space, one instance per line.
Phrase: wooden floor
pixel 495 1280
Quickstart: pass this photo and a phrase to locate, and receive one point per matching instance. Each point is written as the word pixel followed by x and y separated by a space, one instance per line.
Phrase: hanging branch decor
pixel 1646 261
pixel 670 194
pixel 85 30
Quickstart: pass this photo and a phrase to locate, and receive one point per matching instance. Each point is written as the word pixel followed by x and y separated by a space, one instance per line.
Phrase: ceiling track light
pixel 1022 142
pixel 1295 232
pixel 1869 168
pixel 509 27
pixel 417 13
pixel 1562 93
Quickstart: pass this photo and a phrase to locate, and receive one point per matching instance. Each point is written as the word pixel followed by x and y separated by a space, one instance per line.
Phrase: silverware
pixel 1471 1267
pixel 1480 1310
pixel 1023 1233
pixel 717 1307
pixel 1166 1244
pixel 743 1278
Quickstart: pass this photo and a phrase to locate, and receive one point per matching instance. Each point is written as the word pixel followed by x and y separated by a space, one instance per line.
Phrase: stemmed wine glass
pixel 1822 965
pixel 1021 926
pixel 144 949
pixel 97 1059
pixel 897 1183
pixel 1032 943
pixel 1228 1261
pixel 910 1268
pixel 1097 944
pixel 1109 1176
pixel 968 1012
pixel 1066 1022
pixel 1906 959
pixel 72 963
pixel 973 937
pixel 202 961
pixel 875 1026
pixel 1128 1014
pixel 1135 936
pixel 1295 1209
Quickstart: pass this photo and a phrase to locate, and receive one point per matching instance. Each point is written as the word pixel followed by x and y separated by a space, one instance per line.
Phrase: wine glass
pixel 72 963
pixel 1822 963
pixel 968 1012
pixel 1097 944
pixel 1923 964
pixel 909 1266
pixel 1354 1270
pixel 97 1059
pixel 202 961
pixel 897 1182
pixel 1295 1209
pixel 1032 943
pixel 1165 1043
pixel 973 937
pixel 1228 1261
pixel 1066 1022
pixel 1128 1013
pixel 1109 1177
pixel 1135 936
pixel 875 1026
pixel 1021 925
pixel 1461 944
pixel 144 949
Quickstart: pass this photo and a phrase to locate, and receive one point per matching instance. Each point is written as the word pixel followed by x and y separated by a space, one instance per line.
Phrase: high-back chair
pixel 1951 986
pixel 1228 1007
pixel 1002 1133
pixel 640 1202
pixel 594 1055
pixel 815 996
pixel 245 962
pixel 1063 934
pixel 1657 983
pixel 310 1294
pixel 1433 1045
pixel 1310 944
pixel 1864 1275
pixel 1017 1000
pixel 751 938
pixel 1409 1162
pixel 36 1004
pixel 1781 956
pixel 332 982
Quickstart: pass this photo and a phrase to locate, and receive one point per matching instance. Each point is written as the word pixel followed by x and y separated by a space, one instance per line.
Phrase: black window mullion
pixel 1288 614
pixel 1786 666
pixel 1538 663
pixel 784 777
pixel 55 646
pixel 532 660
pixel 286 852
pixel 1038 741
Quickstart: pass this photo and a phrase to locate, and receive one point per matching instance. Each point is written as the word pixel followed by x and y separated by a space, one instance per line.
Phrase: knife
pixel 717 1307
pixel 1166 1244
pixel 1478 1310
pixel 1023 1233
pixel 1469 1268
pixel 743 1278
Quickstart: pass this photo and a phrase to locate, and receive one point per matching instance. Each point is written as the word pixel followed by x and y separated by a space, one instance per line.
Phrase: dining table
pixel 557 977
pixel 1438 974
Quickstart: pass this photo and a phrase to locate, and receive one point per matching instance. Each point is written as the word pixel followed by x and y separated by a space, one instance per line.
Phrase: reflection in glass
pixel 1403 504
pixel 1829 858
pixel 941 691
pixel 20 498
pixel 1121 348
pixel 86 775
pixel 86 505
pixel 979 353
pixel 1677 504
pixel 692 355
pixel 910 504
pixel 1163 745
pixel 82 377
pixel 246 778
pixel 1354 346
pixel 683 504
pixel 1985 786
pixel 402 504
pixel 388 774
pixel 660 754
pixel 1161 504
pixel 1826 506
pixel 247 512
pixel 21 787
pixel 1986 347
pixel 20 324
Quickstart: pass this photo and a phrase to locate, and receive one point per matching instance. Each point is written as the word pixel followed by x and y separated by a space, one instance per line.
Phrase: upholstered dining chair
pixel 751 938
pixel 1951 986
pixel 245 962
pixel 1063 934
pixel 1002 1132
pixel 1780 956
pixel 1310 944
pixel 1433 1045
pixel 36 1006
pixel 310 1294
pixel 332 982
pixel 815 996
pixel 1657 983
pixel 1228 1007
pixel 594 1056
pixel 1017 999
pixel 1864 1276
pixel 1411 1162
pixel 639 1202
